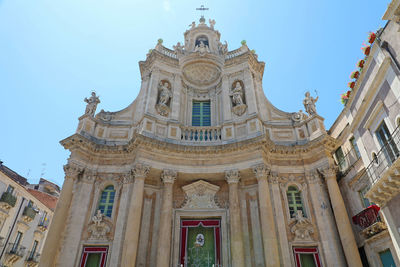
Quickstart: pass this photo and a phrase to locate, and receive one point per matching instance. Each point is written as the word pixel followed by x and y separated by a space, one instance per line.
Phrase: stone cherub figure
pixel 309 104
pixel 192 25
pixel 237 95
pixel 92 103
pixel 212 23
pixel 97 218
pixel 223 48
pixel 178 48
pixel 165 93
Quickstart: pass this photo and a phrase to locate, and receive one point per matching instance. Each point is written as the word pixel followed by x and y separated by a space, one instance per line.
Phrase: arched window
pixel 107 200
pixel 294 200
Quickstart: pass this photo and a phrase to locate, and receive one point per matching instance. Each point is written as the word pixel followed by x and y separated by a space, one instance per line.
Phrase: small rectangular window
pixel 201 113
pixel 364 200
pixel 16 242
pixel 340 158
pixel 355 147
pixel 10 189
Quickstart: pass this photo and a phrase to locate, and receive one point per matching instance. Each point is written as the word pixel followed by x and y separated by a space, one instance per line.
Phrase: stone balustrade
pixel 234 53
pixel 167 52
pixel 201 134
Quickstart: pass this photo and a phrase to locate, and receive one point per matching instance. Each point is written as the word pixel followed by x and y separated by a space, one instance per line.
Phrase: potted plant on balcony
pixel 366 50
pixel 345 97
pixel 355 74
pixel 351 84
pixel 360 63
pixel 371 37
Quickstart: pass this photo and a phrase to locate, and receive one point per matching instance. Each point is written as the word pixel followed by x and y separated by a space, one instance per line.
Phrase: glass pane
pixel 387 258
pixel 307 260
pixel 93 260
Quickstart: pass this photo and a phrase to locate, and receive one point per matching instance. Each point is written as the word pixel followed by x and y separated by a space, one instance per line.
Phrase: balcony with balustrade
pixel 369 222
pixel 384 171
pixel 14 253
pixel 32 260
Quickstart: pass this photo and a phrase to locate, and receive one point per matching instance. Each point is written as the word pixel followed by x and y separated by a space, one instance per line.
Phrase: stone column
pixel 237 251
pixel 165 230
pixel 132 231
pixel 76 220
pixel 342 219
pixel 126 192
pixel 325 222
pixel 51 246
pixel 280 217
pixel 270 242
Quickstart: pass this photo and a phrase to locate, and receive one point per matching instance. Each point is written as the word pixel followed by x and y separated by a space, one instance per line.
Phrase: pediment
pixel 200 195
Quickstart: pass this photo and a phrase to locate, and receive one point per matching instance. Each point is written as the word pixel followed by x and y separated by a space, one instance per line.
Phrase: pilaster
pixel 52 244
pixel 153 91
pixel 129 250
pixel 165 230
pixel 270 242
pixel 237 251
pixel 342 219
pixel 226 101
pixel 250 92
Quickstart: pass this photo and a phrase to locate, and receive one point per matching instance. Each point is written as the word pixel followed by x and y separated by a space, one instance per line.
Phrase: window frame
pixel 201 115
pixel 304 196
pixel 107 204
pixel 294 204
pixel 103 250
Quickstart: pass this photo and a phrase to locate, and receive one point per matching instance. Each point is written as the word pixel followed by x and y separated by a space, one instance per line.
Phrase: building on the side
pixel 368 147
pixel 200 170
pixel 25 215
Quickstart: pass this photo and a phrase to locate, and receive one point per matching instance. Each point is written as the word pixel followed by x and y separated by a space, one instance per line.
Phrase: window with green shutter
pixel 294 200
pixel 107 201
pixel 201 113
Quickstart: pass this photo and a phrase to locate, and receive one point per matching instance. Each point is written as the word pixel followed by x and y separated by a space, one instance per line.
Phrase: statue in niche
pixel 223 48
pixel 164 98
pixel 239 107
pixel 309 104
pixel 202 48
pixel 92 103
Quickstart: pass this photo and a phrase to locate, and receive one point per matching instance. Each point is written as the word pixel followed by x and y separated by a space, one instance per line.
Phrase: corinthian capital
pixel 168 176
pixel 261 171
pixel 232 176
pixel 72 170
pixel 89 176
pixel 140 170
pixel 313 177
pixel 328 172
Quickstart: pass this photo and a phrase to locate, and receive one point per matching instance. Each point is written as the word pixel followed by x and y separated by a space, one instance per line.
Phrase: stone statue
pixel 92 102
pixel 309 103
pixel 237 95
pixel 303 228
pixel 212 23
pixel 165 93
pixel 178 48
pixel 193 25
pixel 223 48
pixel 202 48
pixel 97 218
pixel 199 240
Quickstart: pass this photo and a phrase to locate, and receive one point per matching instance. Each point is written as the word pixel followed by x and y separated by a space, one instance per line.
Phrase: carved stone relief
pixel 99 227
pixel 302 228
pixel 200 195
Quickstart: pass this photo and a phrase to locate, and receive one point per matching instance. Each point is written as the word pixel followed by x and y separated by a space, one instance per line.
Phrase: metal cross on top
pixel 202 9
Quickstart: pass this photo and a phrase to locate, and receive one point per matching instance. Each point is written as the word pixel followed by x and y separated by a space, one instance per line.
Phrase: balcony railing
pixel 201 134
pixel 33 256
pixel 369 221
pixel 389 153
pixel 29 212
pixel 8 198
pixel 16 249
pixel 348 161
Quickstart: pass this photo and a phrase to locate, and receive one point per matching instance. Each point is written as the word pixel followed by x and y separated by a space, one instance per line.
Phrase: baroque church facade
pixel 200 170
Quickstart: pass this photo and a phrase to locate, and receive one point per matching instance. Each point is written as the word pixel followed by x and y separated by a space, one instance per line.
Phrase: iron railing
pixel 388 154
pixel 33 256
pixel 16 249
pixel 8 198
pixel 348 161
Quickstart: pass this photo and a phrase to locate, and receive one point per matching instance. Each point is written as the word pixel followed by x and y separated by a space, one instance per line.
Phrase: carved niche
pixel 200 195
pixel 163 105
pixel 237 97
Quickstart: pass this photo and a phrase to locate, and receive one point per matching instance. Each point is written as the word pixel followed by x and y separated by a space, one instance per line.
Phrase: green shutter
pixel 201 113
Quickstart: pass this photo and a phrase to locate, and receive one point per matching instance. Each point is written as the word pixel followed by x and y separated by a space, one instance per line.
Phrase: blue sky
pixel 53 53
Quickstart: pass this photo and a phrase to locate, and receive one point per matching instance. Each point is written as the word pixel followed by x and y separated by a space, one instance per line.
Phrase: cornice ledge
pixel 325 140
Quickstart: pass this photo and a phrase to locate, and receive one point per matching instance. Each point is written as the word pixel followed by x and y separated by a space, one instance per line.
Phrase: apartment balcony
pixel 42 226
pixel 7 201
pixel 28 214
pixel 384 171
pixel 33 259
pixel 369 222
pixel 14 253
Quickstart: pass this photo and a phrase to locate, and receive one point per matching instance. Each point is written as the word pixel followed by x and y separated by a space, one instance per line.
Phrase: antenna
pixel 43 170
